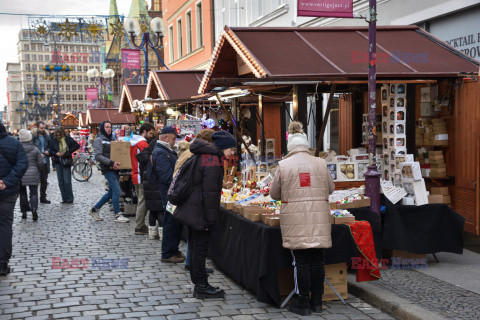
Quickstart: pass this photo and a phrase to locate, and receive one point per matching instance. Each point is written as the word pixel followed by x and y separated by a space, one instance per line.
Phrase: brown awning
pixel 332 53
pixel 130 93
pixel 97 116
pixel 173 84
pixel 82 119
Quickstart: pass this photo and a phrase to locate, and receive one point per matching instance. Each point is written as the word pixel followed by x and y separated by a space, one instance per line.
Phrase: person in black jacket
pixel 13 164
pixel 200 211
pixel 63 147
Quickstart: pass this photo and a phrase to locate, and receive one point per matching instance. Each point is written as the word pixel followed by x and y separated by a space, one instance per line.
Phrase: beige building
pixel 81 53
pixel 14 95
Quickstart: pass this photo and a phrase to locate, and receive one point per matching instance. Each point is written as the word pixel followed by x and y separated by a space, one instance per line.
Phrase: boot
pixel 34 215
pixel 4 269
pixel 24 215
pixel 300 306
pixel 206 291
pixel 316 303
pixel 152 233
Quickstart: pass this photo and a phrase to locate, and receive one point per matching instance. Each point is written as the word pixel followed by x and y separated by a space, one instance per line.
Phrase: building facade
pixel 81 53
pixel 14 96
pixel 190 33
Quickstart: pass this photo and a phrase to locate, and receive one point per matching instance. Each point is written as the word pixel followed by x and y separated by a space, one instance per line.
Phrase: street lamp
pixel 56 72
pixel 35 95
pixel 99 78
pixel 157 27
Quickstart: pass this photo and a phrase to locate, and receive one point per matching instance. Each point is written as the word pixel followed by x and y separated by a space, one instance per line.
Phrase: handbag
pixel 66 161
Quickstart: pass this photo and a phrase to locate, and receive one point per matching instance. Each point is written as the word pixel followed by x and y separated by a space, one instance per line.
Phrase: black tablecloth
pixel 424 229
pixel 251 253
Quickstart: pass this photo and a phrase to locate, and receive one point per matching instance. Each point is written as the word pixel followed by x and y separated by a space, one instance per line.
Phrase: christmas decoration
pixel 94 29
pixel 68 29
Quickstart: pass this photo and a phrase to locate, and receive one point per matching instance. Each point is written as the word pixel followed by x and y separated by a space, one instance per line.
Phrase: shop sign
pixel 325 8
pixel 131 66
pixel 92 98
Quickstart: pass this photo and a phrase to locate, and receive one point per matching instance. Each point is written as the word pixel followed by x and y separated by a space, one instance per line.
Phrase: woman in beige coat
pixel 303 184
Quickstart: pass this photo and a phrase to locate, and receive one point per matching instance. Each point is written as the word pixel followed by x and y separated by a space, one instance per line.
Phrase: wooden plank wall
pixel 345 123
pixel 273 128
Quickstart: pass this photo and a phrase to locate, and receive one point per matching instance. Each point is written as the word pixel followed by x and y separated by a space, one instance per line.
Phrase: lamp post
pixel 34 96
pixel 157 27
pixel 99 81
pixel 54 72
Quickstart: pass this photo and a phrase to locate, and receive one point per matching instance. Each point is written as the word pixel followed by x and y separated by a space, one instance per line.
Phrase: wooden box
pixel 364 202
pixel 344 220
pixel 273 221
pixel 227 205
pixel 436 198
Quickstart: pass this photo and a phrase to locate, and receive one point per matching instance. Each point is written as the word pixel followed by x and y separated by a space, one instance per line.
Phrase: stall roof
pixel 82 119
pixel 173 84
pixel 130 93
pixel 332 53
pixel 97 116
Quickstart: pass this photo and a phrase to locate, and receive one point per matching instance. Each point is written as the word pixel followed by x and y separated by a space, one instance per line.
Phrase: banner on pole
pixel 325 8
pixel 92 98
pixel 131 66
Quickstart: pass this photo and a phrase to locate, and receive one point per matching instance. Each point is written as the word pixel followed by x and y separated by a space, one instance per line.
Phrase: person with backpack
pixel 30 178
pixel 109 170
pixel 137 144
pixel 202 205
pixel 13 164
pixel 162 166
pixel 303 183
pixel 41 139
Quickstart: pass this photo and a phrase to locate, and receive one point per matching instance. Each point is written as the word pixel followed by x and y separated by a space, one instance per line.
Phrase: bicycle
pixel 83 167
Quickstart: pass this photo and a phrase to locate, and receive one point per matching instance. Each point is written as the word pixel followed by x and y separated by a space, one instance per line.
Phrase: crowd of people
pixel 157 162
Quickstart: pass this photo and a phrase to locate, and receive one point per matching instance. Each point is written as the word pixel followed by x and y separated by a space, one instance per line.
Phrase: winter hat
pixel 223 140
pixel 24 136
pixel 296 137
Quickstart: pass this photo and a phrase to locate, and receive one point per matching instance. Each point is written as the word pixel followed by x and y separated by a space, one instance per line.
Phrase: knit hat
pixel 296 137
pixel 223 140
pixel 24 136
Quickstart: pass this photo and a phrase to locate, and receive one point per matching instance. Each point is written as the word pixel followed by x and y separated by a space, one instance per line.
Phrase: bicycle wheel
pixel 82 171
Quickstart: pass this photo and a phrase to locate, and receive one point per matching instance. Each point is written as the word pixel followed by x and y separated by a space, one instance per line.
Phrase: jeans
pixel 43 182
pixel 141 209
pixel 187 256
pixel 171 233
pixel 64 175
pixel 112 193
pixel 309 271
pixel 26 205
pixel 198 241
pixel 7 204
pixel 154 217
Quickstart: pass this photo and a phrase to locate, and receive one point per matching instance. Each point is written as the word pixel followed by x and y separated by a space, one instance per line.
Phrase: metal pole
pixel 147 44
pixel 372 176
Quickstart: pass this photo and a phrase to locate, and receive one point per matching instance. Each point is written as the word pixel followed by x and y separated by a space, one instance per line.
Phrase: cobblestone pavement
pixel 147 289
pixel 432 294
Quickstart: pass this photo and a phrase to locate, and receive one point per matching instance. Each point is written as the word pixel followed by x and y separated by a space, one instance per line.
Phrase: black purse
pixel 66 161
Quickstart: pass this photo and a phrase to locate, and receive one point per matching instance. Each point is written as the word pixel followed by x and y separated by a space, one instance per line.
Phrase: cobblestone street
pixel 146 289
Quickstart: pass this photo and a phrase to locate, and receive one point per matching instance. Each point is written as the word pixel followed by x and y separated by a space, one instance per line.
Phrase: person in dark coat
pixel 30 178
pixel 163 164
pixel 63 146
pixel 41 139
pixel 110 170
pixel 13 164
pixel 200 211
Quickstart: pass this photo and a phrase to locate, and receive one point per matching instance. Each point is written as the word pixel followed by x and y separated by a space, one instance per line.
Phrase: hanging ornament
pixel 94 30
pixel 67 29
pixel 210 123
pixel 117 29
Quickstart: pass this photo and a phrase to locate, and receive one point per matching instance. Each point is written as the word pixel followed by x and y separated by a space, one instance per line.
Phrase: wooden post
pixel 325 120
pixel 300 110
pixel 262 127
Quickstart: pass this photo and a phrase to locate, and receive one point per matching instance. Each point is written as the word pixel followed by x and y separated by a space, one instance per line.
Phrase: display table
pixel 430 228
pixel 251 253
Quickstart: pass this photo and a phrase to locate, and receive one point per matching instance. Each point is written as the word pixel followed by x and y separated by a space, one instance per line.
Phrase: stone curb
pixel 389 302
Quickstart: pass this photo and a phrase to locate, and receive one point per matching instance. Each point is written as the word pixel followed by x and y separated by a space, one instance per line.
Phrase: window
pixel 260 8
pixel 67 87
pixel 68 97
pixel 85 78
pixel 179 39
pixel 29 77
pixel 34 57
pixel 62 87
pixel 170 44
pixel 49 87
pixel 199 24
pixel 25 47
pixel 189 32
pixel 74 87
pixel 74 97
pixel 29 86
pixel 235 14
pixel 42 87
pixel 32 47
pixel 34 67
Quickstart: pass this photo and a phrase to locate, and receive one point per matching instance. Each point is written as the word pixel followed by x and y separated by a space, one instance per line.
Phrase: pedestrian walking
pixel 41 139
pixel 31 176
pixel 303 183
pixel 200 211
pixel 13 164
pixel 163 164
pixel 137 144
pixel 110 171
pixel 63 146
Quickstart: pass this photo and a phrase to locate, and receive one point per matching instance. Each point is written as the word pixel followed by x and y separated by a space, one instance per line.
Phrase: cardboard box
pixel 344 220
pixel 436 198
pixel 252 216
pixel 441 137
pixel 364 202
pixel 447 199
pixel 120 152
pixel 440 190
pixel 336 274
pixel 273 221
pixel 347 171
pixel 227 205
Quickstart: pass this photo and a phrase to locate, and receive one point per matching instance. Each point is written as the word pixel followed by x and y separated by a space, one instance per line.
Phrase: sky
pixel 10 24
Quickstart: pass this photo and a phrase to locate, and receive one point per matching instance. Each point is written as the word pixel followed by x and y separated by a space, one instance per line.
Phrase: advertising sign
pixel 92 98
pixel 131 66
pixel 326 8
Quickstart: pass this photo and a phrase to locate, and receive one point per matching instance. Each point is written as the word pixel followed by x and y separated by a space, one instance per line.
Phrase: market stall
pixel 96 116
